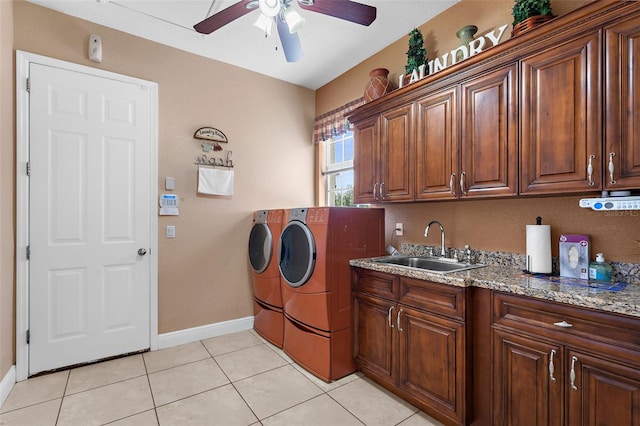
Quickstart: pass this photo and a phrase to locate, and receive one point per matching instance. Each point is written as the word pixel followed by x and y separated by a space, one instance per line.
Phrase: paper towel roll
pixel 539 249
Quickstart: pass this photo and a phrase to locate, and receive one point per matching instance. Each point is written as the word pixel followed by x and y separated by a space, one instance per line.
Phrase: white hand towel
pixel 215 181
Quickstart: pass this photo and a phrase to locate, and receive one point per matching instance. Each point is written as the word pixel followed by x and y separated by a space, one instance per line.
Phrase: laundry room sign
pixel 477 45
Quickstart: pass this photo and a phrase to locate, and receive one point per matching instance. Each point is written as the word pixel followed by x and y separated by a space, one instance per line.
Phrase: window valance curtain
pixel 334 123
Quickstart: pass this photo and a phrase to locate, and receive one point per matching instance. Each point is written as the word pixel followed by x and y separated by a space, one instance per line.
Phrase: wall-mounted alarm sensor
pixel 95 48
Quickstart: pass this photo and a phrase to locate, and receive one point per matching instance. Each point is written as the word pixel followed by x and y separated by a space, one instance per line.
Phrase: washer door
pixel 260 243
pixel 297 253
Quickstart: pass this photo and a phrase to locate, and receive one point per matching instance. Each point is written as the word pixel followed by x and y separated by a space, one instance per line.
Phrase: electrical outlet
pixel 171 231
pixel 399 230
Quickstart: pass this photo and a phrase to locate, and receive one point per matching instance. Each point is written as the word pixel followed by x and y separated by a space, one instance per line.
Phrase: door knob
pixel 142 251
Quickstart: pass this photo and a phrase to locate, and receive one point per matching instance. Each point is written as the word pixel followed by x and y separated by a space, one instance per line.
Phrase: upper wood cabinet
pixel 481 159
pixel 397 144
pixel 555 110
pixel 622 105
pixel 437 145
pixel 489 134
pixel 366 135
pixel 383 160
pixel 560 116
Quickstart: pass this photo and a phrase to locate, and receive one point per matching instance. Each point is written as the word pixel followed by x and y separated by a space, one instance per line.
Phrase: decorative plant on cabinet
pixel 528 14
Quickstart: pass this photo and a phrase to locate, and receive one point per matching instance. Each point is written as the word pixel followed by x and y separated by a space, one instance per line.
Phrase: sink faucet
pixel 426 234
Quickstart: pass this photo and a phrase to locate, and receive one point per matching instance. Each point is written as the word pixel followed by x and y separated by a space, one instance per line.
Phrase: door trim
pixel 23 60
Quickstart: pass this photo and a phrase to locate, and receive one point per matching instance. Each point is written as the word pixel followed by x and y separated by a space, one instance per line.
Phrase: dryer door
pixel 297 253
pixel 260 243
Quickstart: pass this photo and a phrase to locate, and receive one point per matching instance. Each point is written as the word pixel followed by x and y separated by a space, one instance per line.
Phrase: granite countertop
pixel 509 279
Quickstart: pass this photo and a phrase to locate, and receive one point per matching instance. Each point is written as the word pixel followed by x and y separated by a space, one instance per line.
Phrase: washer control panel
pixel 611 203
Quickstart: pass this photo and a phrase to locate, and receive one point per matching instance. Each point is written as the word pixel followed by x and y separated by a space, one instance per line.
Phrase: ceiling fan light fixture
pixel 264 23
pixel 270 7
pixel 294 20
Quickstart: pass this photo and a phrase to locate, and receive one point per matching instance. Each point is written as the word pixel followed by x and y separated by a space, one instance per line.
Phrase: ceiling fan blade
pixel 343 9
pixel 290 42
pixel 223 17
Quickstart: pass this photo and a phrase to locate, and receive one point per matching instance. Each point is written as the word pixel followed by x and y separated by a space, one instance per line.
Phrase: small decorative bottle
pixel 600 270
pixel 465 34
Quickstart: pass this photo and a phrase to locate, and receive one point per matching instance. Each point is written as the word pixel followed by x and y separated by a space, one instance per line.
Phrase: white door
pixel 89 218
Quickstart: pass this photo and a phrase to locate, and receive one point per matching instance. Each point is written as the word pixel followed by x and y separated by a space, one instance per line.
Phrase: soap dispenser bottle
pixel 600 270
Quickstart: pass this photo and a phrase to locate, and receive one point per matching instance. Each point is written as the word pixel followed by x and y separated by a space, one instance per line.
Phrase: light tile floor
pixel 236 379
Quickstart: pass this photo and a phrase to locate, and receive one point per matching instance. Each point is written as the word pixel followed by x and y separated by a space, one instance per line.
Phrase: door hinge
pixel 28 85
pixel 28 336
pixel 28 168
pixel 28 252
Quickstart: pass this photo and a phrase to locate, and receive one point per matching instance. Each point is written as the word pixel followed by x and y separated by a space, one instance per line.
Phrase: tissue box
pixel 574 256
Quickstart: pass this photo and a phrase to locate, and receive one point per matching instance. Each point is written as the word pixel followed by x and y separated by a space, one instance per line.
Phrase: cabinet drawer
pixel 556 319
pixel 372 282
pixel 433 297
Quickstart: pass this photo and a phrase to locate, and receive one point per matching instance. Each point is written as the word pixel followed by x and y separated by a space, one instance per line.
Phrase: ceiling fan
pixel 287 20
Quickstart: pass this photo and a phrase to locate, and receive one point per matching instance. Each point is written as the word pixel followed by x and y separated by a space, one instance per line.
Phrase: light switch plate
pixel 399 229
pixel 171 231
pixel 169 183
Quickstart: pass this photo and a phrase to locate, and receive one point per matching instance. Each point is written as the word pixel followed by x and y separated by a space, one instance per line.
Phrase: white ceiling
pixel 331 46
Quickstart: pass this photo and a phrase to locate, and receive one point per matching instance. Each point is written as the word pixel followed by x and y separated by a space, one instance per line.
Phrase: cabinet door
pixel 432 361
pixel 437 146
pixel 489 142
pixel 527 389
pixel 560 118
pixel 373 340
pixel 366 138
pixel 603 392
pixel 622 106
pixel 396 154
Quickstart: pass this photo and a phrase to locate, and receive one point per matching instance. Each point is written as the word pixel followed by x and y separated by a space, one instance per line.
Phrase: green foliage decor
pixel 417 54
pixel 523 9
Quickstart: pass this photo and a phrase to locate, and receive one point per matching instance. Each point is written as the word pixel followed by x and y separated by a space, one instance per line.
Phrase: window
pixel 339 170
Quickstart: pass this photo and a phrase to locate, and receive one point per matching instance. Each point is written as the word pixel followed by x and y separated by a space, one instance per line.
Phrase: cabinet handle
pixel 563 324
pixel 452 179
pixel 389 317
pixel 398 320
pixel 590 170
pixel 612 168
pixel 462 183
pixel 375 186
pixel 572 374
pixel 381 191
pixel 551 366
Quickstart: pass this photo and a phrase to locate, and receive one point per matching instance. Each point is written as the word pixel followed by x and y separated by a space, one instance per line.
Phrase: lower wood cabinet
pixel 558 365
pixel 412 348
pixel 473 356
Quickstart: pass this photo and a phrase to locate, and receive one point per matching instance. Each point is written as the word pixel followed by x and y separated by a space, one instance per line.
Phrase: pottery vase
pixel 465 34
pixel 378 86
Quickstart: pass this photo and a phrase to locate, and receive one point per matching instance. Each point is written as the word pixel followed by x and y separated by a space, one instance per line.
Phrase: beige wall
pixel 203 272
pixel 7 326
pixel 488 224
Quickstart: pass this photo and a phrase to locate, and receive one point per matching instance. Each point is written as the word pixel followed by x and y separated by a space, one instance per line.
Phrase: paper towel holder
pixel 528 262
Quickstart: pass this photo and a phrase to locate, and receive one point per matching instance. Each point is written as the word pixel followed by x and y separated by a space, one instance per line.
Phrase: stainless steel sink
pixel 431 264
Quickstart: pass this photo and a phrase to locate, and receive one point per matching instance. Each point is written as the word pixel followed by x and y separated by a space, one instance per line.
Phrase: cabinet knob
pixel 563 324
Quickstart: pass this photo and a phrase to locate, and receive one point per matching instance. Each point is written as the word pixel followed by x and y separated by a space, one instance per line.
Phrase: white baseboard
pixel 189 335
pixel 7 383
